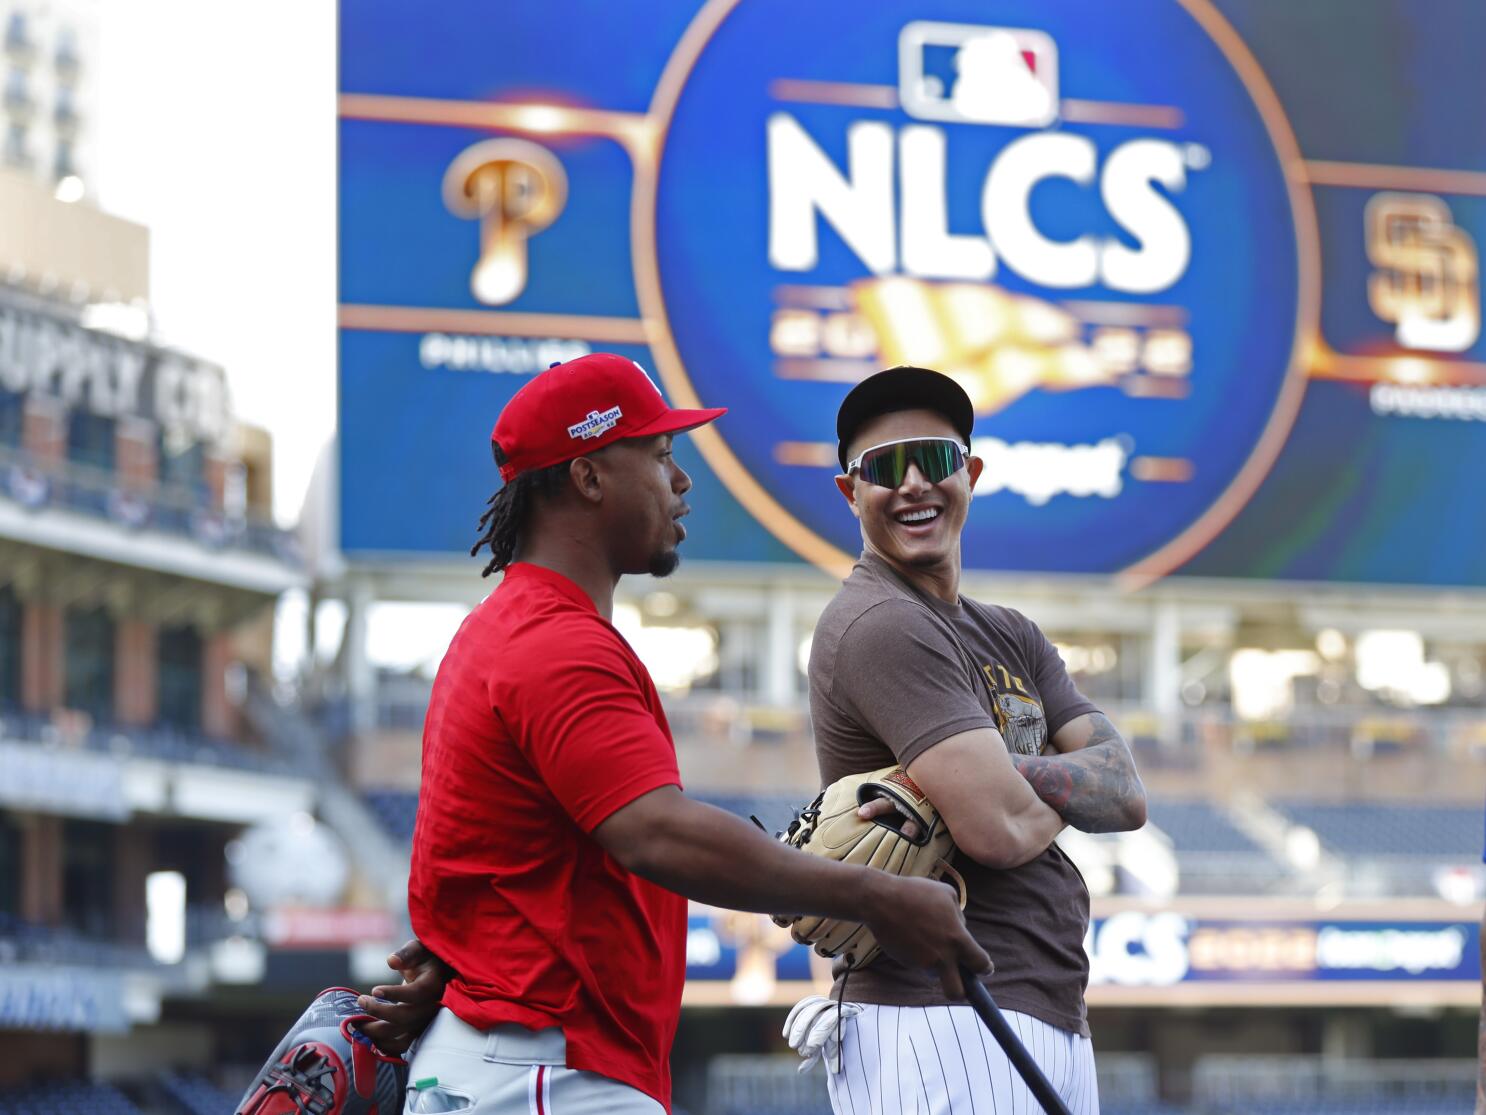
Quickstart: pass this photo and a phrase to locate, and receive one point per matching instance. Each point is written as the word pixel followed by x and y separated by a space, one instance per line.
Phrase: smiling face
pixel 643 504
pixel 916 526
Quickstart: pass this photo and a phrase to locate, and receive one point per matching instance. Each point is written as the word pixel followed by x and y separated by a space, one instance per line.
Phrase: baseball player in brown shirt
pixel 975 701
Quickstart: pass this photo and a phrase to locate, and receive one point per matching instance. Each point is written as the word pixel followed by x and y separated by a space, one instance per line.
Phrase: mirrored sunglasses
pixel 938 458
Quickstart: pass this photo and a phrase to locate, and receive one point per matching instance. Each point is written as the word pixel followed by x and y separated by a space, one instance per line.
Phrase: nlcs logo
pixel 998 345
pixel 1107 254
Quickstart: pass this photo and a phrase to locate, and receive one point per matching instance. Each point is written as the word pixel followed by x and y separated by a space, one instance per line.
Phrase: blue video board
pixel 1208 270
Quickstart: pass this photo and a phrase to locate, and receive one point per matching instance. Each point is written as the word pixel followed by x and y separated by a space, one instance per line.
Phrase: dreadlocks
pixel 507 511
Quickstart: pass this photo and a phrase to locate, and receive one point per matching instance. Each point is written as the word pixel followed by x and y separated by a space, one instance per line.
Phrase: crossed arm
pixel 1002 820
pixel 1090 780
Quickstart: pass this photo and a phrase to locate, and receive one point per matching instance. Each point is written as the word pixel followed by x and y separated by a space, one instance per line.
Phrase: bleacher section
pixel 750 1084
pixel 70 1098
pixel 1375 828
pixel 1392 848
pixel 1388 848
pixel 128 741
pixel 1381 1105
pixel 1286 1085
pixel 770 1085
pixel 1223 1085
pixel 26 942
pixel 1199 827
pixel 193 1094
pixel 1213 854
pixel 1317 1107
pixel 395 809
pixel 173 509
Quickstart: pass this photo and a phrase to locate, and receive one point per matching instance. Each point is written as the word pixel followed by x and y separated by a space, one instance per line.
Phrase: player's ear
pixel 848 488
pixel 974 466
pixel 586 480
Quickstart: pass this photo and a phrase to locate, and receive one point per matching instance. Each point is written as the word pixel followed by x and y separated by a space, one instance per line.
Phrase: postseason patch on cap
pixel 597 423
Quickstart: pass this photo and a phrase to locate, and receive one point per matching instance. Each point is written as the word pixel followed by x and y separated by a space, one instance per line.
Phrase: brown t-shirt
pixel 888 680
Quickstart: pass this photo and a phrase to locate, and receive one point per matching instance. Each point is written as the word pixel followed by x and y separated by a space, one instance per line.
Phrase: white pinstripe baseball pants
pixel 941 1060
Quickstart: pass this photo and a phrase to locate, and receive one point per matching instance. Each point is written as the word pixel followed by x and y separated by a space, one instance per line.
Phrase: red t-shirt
pixel 542 723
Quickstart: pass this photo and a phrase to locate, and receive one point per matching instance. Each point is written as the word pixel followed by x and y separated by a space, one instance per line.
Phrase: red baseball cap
pixel 581 406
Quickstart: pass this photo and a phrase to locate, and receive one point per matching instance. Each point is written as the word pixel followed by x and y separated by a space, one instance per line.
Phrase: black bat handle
pixel 1015 1051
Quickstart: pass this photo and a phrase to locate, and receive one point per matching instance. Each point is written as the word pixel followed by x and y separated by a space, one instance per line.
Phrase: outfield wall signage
pixel 1155 956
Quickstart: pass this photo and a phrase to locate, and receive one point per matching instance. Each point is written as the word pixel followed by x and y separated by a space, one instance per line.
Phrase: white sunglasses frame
pixel 856 462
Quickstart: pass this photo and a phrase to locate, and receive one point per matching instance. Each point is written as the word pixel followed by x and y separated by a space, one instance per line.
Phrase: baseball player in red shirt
pixel 554 850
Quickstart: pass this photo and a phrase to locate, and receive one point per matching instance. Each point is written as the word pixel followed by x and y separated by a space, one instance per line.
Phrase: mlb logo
pixel 971 74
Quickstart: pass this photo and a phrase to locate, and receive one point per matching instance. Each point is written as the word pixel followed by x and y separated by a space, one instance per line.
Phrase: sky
pixel 216 129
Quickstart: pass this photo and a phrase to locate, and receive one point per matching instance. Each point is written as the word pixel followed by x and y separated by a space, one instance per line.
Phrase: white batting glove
pixel 812 1031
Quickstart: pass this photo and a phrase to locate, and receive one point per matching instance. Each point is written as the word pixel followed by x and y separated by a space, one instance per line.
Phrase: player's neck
pixel 574 556
pixel 941 579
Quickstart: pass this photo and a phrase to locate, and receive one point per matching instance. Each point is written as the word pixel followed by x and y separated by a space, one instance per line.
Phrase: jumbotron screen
pixel 1208 269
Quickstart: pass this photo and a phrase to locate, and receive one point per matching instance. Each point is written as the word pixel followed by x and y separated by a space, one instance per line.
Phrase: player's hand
pixel 919 924
pixel 881 807
pixel 403 1011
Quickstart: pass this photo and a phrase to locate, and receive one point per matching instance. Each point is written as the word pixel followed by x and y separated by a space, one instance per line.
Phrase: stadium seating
pixel 1198 826
pixel 1391 829
pixel 771 1084
pixel 1380 1105
pixel 171 509
pixel 68 1098
pixel 395 809
pixel 1213 855
pixel 194 1094
pixel 124 742
pixel 1387 847
pixel 1290 1084
pixel 28 942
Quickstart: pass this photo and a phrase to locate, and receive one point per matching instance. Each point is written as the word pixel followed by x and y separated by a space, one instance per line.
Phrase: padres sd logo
pixel 1091 217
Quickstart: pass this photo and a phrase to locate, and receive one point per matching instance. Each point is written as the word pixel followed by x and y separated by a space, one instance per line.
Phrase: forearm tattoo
pixel 1095 789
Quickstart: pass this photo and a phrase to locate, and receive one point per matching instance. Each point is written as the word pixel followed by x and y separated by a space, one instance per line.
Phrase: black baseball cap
pixel 902 388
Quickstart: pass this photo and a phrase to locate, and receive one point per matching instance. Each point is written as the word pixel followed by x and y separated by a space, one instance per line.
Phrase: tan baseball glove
pixel 829 826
